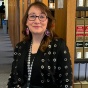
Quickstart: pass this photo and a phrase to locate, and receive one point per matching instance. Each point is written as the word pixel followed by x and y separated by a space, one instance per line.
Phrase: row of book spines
pixel 81 50
pixel 81 84
pixel 81 38
pixel 81 71
pixel 81 29
pixel 82 14
pixel 82 3
pixel 51 4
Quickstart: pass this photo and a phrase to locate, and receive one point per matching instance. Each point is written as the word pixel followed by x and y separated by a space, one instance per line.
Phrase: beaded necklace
pixel 29 66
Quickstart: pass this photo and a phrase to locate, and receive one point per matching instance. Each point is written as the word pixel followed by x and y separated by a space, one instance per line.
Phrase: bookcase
pixel 81 45
pixel 82 21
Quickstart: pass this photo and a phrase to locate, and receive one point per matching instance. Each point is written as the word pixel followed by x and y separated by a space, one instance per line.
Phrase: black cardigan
pixel 53 65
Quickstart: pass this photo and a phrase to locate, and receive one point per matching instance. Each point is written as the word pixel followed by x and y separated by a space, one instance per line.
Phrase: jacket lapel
pixel 24 55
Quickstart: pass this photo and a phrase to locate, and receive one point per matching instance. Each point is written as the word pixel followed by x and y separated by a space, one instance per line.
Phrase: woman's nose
pixel 37 19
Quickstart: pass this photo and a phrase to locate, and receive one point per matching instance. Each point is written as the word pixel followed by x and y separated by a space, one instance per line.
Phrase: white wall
pixel 6 9
pixel 1 3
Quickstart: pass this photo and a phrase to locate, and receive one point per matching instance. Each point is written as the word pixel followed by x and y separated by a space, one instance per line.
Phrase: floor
pixel 6 57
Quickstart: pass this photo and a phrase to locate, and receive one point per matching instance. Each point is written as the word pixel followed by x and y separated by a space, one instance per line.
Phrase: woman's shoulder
pixel 59 40
pixel 60 44
pixel 22 43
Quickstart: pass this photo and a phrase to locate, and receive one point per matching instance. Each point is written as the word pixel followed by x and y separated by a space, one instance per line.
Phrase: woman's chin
pixel 38 33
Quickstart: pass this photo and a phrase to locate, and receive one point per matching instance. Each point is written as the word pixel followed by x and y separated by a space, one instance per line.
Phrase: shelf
pixel 81 61
pixel 82 9
pixel 52 9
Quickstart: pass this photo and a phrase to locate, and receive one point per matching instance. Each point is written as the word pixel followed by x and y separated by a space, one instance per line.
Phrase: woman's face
pixel 36 25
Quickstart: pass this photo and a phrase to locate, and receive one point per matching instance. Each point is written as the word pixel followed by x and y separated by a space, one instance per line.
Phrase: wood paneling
pixel 25 5
pixel 45 2
pixel 9 9
pixel 32 1
pixel 70 38
pixel 17 9
pixel 17 22
pixel 21 15
pixel 23 8
pixel 11 20
pixel 60 19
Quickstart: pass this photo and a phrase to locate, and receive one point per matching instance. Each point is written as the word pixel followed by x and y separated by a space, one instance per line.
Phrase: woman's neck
pixel 37 39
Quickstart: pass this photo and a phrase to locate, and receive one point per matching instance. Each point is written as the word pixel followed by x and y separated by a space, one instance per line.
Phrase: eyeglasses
pixel 41 17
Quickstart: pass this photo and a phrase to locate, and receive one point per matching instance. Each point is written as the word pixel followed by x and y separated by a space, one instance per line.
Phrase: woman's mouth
pixel 36 26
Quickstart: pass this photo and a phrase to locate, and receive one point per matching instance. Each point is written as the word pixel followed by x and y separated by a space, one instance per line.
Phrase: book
pixel 82 71
pixel 76 71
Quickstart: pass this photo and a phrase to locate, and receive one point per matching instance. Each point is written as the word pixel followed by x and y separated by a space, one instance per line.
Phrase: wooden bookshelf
pixel 81 60
pixel 82 9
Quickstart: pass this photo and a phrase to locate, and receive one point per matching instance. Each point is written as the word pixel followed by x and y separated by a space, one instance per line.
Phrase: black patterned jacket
pixel 54 65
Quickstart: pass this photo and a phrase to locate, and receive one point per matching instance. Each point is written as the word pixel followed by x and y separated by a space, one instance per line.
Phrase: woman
pixel 42 59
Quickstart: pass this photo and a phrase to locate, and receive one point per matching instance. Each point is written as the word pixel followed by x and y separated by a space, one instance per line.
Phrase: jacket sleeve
pixel 12 81
pixel 64 68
